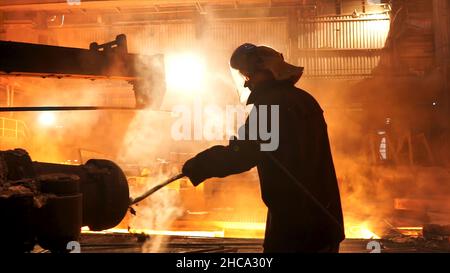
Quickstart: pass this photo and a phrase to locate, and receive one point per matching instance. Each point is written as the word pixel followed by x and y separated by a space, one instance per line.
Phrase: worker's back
pixel 295 222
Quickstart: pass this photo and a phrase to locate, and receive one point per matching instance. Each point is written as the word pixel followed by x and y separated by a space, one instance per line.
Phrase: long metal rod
pixel 156 188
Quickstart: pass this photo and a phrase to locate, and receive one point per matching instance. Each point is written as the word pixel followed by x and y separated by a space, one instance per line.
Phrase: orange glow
pixel 345 57
pixel 241 225
pixel 185 72
pixel 410 231
pixel 211 234
pixel 218 229
pixel 47 119
pixel 360 231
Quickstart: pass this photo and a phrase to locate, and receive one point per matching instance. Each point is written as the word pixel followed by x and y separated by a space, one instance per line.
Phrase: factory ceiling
pixel 154 5
pixel 83 12
pixel 104 12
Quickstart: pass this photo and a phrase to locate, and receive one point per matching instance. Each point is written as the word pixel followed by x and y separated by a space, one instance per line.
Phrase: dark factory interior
pixel 96 94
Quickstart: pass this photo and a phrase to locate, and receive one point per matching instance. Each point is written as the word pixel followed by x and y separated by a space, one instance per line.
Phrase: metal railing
pixel 13 129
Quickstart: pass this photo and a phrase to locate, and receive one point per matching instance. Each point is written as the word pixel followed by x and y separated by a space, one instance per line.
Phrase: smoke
pixel 157 213
pixel 362 114
pixel 146 144
pixel 143 138
pixel 64 133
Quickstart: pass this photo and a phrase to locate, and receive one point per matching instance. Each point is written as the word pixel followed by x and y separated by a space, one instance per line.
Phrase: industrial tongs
pixel 156 188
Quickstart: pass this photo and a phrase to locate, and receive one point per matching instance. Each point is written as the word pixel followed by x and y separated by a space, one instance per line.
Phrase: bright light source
pixel 185 72
pixel 378 23
pixel 47 119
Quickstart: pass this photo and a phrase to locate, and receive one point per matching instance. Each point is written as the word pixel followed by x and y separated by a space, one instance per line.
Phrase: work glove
pixel 193 171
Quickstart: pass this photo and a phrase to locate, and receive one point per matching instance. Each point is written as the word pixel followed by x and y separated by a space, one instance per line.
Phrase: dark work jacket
pixel 295 222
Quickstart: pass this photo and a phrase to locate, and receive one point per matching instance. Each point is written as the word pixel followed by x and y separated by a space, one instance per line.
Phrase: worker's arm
pixel 220 161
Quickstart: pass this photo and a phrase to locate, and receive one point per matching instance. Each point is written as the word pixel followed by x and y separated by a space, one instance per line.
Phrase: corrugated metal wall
pixel 342 46
pixel 339 66
pixel 227 35
pixel 344 32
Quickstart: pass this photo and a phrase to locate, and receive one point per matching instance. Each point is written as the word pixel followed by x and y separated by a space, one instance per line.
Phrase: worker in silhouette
pixel 297 175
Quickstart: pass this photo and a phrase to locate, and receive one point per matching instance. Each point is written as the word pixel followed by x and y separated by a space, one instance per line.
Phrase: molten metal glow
pixel 241 225
pixel 411 231
pixel 361 231
pixel 223 229
pixel 212 229
pixel 210 234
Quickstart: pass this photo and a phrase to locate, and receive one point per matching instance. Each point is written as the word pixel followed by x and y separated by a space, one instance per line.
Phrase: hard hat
pixel 249 58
